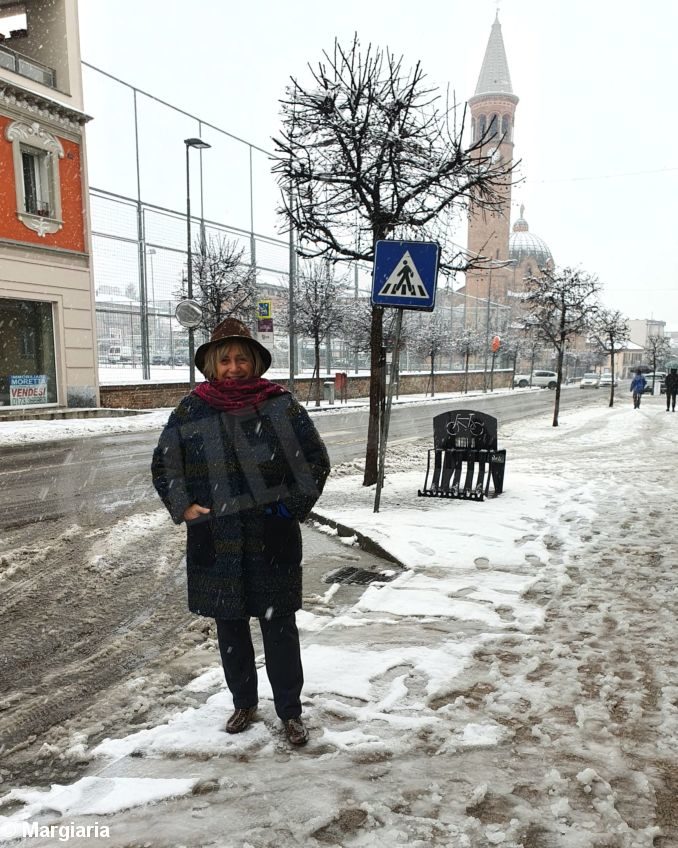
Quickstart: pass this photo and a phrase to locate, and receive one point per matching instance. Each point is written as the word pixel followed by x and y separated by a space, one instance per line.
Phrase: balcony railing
pixel 29 68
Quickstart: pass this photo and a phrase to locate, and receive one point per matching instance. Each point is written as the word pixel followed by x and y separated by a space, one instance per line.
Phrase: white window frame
pixel 32 138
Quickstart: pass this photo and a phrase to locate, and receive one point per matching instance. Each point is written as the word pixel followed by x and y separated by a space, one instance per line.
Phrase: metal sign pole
pixel 387 412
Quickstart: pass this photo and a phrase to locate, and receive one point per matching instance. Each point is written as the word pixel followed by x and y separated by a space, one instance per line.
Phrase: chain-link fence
pixel 140 258
pixel 143 177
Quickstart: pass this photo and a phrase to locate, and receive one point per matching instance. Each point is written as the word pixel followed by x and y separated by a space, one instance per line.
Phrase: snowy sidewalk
pixel 515 686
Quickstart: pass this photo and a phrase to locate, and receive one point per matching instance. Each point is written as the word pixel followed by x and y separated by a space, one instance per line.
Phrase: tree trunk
pixel 316 350
pixel 433 375
pixel 559 380
pixel 466 358
pixel 372 450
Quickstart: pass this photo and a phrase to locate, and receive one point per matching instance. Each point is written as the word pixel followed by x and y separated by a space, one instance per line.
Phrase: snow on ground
pixel 515 685
pixel 29 432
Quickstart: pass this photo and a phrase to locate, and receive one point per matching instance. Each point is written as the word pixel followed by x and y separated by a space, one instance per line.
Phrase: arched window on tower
pixel 506 127
pixel 494 126
pixel 473 129
pixel 482 125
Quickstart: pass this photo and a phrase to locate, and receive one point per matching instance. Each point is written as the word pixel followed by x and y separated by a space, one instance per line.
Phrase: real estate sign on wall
pixel 25 389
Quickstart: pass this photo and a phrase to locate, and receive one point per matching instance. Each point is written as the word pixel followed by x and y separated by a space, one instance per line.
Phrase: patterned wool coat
pixel 240 560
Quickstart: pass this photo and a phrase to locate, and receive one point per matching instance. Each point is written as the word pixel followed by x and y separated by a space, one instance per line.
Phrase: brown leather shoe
pixel 296 731
pixel 240 720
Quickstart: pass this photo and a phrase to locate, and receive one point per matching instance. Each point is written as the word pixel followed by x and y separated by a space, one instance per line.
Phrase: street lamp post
pixel 493 263
pixel 151 253
pixel 487 329
pixel 199 144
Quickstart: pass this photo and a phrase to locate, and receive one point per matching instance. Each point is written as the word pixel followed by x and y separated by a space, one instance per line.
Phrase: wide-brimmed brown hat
pixel 230 328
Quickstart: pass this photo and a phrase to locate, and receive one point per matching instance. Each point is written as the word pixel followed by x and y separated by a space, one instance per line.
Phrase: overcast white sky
pixel 595 126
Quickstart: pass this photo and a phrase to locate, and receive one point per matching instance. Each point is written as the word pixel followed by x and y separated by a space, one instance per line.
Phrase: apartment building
pixel 47 344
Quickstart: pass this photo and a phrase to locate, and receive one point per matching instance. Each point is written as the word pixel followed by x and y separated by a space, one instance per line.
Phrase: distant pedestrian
pixel 671 387
pixel 638 385
pixel 241 463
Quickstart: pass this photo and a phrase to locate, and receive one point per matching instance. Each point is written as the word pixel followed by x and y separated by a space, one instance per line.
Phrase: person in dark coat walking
pixel 240 462
pixel 637 388
pixel 671 389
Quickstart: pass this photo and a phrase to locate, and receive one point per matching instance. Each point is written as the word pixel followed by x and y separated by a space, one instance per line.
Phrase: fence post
pixel 141 247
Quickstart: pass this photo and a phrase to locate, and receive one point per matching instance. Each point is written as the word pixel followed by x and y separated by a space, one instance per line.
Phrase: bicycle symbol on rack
pixel 463 424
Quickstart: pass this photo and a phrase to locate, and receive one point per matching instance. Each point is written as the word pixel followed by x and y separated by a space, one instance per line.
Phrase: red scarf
pixel 230 395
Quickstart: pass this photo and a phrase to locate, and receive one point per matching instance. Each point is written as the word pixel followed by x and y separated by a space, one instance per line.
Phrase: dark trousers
pixel 636 399
pixel 283 662
pixel 670 400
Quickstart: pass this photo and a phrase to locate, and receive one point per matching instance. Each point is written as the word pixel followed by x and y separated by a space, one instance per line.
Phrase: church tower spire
pixel 494 75
pixel 493 107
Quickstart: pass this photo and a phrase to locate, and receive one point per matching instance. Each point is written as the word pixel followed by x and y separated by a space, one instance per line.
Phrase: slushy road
pixel 106 476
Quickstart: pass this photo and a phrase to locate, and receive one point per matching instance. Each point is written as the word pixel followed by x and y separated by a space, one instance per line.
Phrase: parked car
pixel 542 379
pixel 161 359
pixel 656 377
pixel 606 381
pixel 589 381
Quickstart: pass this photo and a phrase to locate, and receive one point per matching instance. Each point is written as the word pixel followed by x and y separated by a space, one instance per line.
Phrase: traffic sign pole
pixel 387 412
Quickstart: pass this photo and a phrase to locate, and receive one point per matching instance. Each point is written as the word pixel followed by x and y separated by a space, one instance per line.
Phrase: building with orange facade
pixel 47 344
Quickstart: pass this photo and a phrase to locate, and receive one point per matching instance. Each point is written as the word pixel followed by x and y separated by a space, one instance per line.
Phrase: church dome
pixel 526 245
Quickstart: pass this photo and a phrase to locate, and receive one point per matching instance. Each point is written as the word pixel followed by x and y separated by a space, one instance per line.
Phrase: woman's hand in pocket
pixel 195 511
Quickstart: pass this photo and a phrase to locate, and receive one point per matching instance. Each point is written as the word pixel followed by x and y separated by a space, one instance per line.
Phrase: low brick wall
pixel 154 395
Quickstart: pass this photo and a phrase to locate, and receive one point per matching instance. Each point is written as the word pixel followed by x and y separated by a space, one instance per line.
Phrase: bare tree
pixel 357 331
pixel 513 346
pixel 358 325
pixel 318 307
pixel 561 304
pixel 368 151
pixel 659 351
pixel 610 331
pixel 528 344
pixel 223 284
pixel 468 343
pixel 431 338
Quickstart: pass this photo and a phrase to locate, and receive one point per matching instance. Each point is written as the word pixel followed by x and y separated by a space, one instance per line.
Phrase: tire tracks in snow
pixel 93 607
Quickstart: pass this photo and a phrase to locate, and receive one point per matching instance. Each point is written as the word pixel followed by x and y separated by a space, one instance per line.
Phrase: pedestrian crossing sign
pixel 405 274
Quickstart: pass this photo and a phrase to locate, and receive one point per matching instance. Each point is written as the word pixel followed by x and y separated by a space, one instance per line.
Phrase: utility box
pixel 328 391
pixel 341 385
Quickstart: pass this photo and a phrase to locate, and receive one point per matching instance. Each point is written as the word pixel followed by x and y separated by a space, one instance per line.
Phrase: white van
pixel 118 353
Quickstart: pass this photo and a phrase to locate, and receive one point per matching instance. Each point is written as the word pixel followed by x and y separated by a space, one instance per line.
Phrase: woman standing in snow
pixel 240 462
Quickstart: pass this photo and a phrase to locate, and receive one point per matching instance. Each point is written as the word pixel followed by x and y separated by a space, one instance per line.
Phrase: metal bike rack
pixel 464 460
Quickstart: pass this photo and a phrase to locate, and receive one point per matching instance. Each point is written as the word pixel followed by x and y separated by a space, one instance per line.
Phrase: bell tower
pixel 493 107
